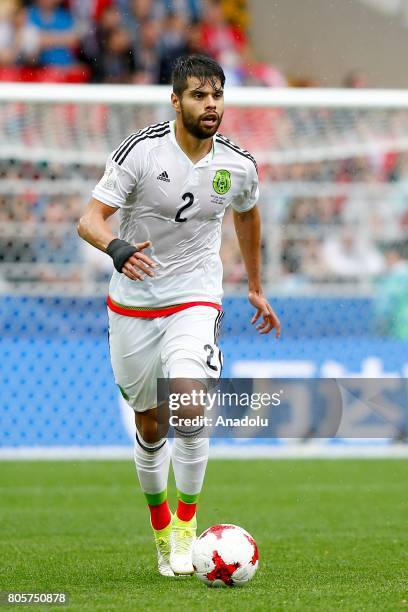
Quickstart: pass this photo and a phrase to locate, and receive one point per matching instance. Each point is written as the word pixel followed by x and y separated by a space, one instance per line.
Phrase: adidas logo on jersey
pixel 163 177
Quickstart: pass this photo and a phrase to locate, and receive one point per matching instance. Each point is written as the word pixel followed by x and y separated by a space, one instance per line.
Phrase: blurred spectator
pixel 86 13
pixel 191 9
pixel 291 257
pixel 59 37
pixel 118 62
pixel 16 247
pixel 172 44
pixel 313 267
pixel 147 53
pixel 356 79
pixel 54 247
pixel 192 44
pixel 229 45
pixel 94 43
pixel 347 254
pixel 136 12
pixel 108 49
pixel 224 42
pixel 391 304
pixel 303 212
pixel 59 251
pixel 193 38
pixel 142 10
pixel 19 39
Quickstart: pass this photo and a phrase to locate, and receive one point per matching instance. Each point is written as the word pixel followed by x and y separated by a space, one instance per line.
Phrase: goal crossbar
pixel 157 95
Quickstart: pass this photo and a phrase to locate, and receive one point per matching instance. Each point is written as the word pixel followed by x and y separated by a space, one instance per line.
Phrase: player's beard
pixel 195 126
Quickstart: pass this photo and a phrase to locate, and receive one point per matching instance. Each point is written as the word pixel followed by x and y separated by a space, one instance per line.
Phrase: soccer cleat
pixel 162 539
pixel 182 537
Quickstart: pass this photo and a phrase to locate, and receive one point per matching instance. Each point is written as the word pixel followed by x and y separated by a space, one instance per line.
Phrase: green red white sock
pixel 189 458
pixel 186 506
pixel 152 465
pixel 160 515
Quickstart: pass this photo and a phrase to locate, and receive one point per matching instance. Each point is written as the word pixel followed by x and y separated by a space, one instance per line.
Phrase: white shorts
pixel 181 345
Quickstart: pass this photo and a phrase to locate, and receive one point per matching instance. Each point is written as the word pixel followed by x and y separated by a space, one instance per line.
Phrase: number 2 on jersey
pixel 210 354
pixel 190 200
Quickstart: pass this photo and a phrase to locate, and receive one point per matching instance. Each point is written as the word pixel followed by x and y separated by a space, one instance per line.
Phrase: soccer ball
pixel 225 555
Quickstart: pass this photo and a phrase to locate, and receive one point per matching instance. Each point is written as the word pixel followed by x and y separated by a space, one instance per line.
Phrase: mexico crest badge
pixel 222 181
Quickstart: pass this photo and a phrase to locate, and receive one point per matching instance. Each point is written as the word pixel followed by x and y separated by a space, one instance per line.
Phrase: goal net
pixel 333 167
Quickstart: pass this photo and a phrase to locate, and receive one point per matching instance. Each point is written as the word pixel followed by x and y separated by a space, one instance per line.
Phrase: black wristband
pixel 120 251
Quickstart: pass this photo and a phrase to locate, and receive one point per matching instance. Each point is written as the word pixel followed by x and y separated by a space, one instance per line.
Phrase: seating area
pixel 125 41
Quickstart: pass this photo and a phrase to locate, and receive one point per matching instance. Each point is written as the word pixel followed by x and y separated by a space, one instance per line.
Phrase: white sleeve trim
pixel 245 209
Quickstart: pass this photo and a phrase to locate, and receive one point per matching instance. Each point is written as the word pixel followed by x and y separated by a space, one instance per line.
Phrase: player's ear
pixel 175 102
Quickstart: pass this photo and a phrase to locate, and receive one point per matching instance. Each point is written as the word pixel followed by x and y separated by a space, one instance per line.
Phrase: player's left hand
pixel 270 319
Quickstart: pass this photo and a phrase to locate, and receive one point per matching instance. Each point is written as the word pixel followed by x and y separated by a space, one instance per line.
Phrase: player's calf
pixel 153 424
pixel 189 457
pixel 152 465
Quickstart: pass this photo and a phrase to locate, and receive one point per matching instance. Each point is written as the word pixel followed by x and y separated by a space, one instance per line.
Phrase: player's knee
pixel 148 426
pixel 188 397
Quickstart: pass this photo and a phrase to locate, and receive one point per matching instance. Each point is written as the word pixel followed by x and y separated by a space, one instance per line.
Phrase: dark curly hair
pixel 199 66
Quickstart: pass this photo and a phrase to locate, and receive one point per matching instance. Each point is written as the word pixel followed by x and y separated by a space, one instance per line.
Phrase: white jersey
pixel 179 207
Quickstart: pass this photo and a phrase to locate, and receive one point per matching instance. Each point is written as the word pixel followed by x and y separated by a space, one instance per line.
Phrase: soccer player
pixel 172 183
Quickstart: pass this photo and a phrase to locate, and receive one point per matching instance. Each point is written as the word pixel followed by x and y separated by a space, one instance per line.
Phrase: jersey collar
pixel 205 160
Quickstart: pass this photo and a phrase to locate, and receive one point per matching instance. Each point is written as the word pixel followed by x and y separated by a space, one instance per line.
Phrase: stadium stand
pixel 124 41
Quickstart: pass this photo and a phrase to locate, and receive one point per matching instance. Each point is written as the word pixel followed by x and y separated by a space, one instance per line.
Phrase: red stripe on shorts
pixel 151 313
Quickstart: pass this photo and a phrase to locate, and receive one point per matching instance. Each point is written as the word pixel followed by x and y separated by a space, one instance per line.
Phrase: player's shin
pixel 152 462
pixel 152 465
pixel 189 458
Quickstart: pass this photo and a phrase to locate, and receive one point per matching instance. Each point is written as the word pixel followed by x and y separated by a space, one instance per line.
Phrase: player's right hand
pixel 139 265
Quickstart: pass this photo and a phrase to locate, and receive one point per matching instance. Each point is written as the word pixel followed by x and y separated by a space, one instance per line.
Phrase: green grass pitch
pixel 332 535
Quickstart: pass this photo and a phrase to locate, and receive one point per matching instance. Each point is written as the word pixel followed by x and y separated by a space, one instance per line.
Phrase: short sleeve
pixel 246 199
pixel 119 179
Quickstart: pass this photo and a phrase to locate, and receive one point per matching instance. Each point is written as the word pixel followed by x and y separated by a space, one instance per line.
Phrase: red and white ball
pixel 225 555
